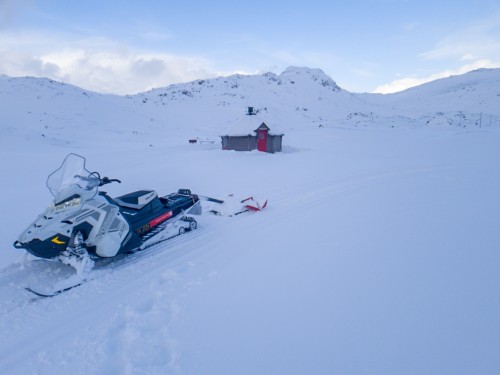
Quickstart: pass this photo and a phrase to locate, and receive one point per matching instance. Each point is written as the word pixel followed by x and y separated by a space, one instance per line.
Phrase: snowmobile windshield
pixel 72 180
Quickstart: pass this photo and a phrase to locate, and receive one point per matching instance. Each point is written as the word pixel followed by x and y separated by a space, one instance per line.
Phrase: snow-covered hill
pixel 471 99
pixel 377 254
pixel 299 97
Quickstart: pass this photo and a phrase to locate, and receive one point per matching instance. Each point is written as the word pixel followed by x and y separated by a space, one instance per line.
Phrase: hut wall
pixel 239 142
pixel 274 143
pixel 249 142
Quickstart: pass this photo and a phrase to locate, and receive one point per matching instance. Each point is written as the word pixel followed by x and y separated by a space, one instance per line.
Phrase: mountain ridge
pixel 298 97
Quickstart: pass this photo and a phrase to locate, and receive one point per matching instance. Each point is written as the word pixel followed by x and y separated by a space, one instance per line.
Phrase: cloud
pixel 453 47
pixel 482 39
pixel 125 72
pixel 468 57
pixel 407 82
pixel 97 64
pixel 477 46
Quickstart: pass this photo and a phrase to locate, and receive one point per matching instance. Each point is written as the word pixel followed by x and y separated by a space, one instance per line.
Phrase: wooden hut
pixel 262 141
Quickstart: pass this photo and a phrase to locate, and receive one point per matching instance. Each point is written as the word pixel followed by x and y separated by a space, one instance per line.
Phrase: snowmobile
pixel 84 224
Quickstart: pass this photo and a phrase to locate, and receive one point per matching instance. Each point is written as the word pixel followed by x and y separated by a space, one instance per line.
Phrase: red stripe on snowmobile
pixel 160 219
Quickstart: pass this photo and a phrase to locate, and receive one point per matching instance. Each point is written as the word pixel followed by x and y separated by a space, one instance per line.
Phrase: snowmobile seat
pixel 137 199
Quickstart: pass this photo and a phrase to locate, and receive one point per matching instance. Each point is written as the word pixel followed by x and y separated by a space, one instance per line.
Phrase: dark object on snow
pixel 55 292
pixel 232 207
pixel 250 111
pixel 193 140
pixel 262 141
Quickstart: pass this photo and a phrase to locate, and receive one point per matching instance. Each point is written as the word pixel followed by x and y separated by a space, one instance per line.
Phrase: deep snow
pixel 378 252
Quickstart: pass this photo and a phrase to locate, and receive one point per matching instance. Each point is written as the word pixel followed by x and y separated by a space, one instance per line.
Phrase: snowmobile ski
pixel 54 293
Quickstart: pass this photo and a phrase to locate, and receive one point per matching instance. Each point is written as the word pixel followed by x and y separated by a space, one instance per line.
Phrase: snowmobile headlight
pixel 67 204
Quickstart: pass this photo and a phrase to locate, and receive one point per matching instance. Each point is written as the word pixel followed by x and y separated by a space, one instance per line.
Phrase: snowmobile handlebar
pixel 102 181
pixel 106 180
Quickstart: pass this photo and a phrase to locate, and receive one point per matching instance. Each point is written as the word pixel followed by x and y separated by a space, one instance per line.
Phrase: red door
pixel 262 140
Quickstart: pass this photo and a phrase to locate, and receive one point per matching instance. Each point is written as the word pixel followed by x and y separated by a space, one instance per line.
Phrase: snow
pixel 377 253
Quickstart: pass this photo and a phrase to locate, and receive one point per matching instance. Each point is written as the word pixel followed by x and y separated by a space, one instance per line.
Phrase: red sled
pixel 253 205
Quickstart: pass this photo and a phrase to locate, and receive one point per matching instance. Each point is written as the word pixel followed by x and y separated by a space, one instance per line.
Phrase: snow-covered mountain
pixel 299 97
pixel 377 252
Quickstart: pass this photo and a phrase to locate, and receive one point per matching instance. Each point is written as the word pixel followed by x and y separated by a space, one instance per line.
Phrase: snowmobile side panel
pixel 131 243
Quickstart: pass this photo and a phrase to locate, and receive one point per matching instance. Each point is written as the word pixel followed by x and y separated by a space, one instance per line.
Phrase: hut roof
pixel 262 126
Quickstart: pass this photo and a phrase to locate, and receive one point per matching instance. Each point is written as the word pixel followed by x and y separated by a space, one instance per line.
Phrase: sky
pixel 125 47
